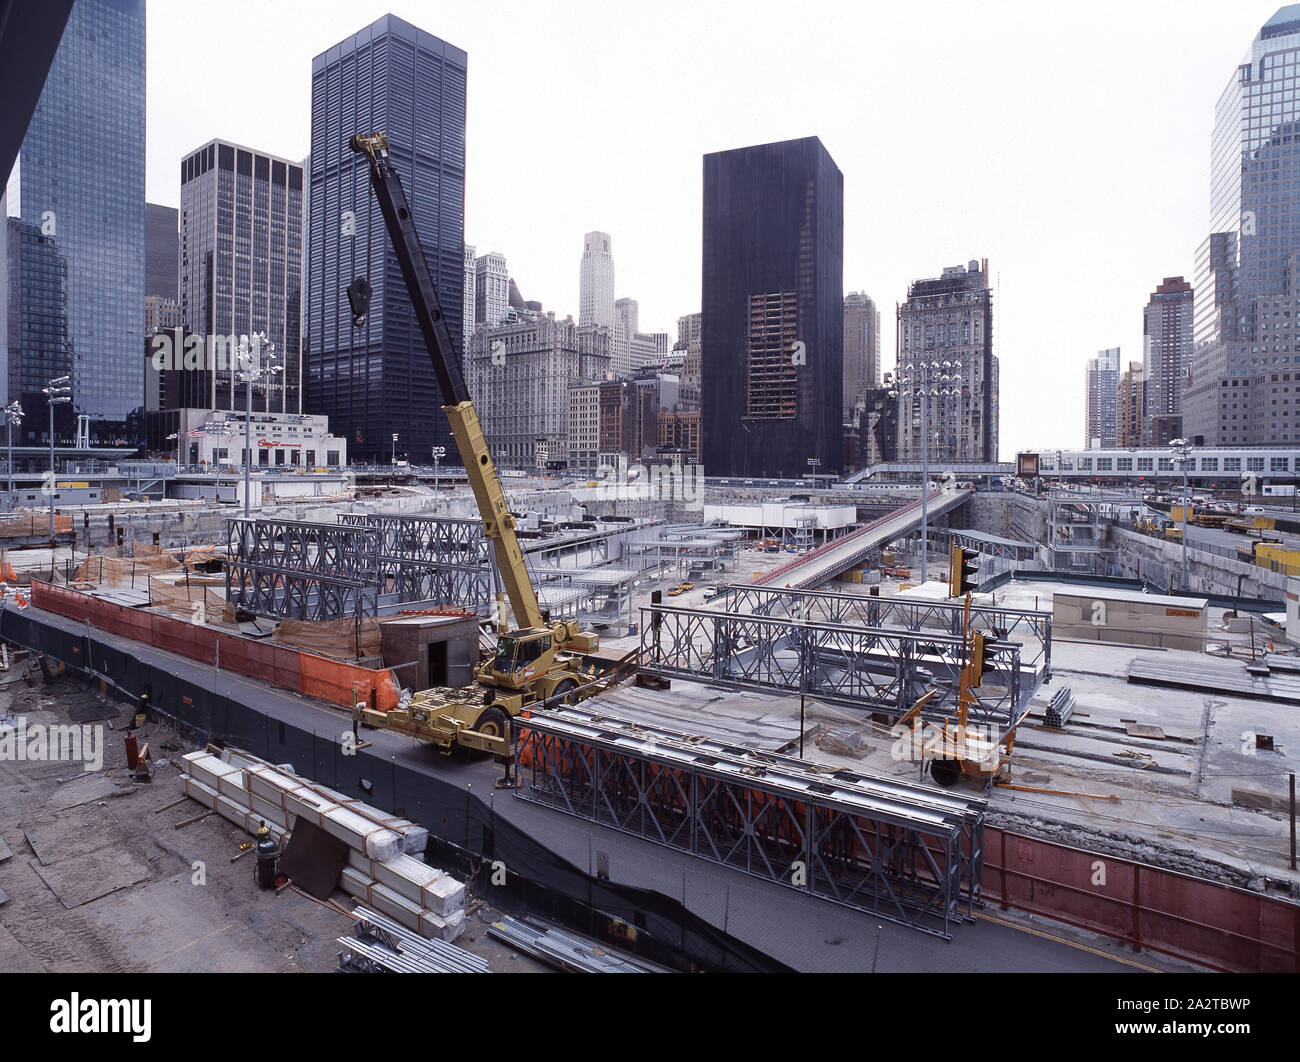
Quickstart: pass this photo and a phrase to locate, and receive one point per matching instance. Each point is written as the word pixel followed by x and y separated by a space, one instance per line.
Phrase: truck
pixel 542 661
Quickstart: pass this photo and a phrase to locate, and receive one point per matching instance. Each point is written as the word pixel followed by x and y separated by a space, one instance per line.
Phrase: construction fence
pixel 27 523
pixel 332 681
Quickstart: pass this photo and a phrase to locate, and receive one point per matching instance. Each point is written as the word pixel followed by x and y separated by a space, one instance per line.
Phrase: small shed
pixel 427 650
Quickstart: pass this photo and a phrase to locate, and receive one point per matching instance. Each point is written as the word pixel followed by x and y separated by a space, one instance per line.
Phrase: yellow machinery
pixel 960 750
pixel 541 660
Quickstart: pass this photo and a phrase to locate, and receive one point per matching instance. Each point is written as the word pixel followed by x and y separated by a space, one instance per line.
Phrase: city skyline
pixel 899 220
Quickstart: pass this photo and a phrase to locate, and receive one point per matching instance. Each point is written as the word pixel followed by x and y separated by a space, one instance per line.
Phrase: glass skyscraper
pixel 1247 347
pixel 81 206
pixel 377 381
pixel 772 325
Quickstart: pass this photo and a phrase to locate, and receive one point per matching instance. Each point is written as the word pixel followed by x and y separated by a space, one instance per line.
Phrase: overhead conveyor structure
pixel 836 557
pixel 906 853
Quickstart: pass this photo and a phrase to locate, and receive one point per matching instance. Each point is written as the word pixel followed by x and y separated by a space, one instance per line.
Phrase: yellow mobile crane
pixel 541 660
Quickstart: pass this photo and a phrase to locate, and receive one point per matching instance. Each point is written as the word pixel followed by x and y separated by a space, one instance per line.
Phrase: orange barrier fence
pixel 314 676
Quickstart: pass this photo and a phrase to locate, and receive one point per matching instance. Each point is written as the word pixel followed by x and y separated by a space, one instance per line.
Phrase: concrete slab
pixel 92 875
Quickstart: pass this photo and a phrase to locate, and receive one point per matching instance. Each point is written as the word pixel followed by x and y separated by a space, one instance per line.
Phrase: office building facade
pixel 241 267
pixel 1101 379
pixel 1167 324
pixel 80 184
pixel 596 281
pixel 772 328
pixel 377 381
pixel 1246 298
pixel 948 322
pixel 861 350
pixel 519 376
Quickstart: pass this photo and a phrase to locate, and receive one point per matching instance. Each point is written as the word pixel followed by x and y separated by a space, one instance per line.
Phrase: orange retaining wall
pixel 306 673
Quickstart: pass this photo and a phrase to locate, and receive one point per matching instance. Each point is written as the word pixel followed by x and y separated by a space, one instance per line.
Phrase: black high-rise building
pixel 377 381
pixel 772 327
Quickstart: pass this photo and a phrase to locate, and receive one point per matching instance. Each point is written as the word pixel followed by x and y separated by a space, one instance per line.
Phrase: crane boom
pixel 498 523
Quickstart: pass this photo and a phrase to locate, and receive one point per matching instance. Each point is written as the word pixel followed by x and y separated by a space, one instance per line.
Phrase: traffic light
pixel 963 564
pixel 981 657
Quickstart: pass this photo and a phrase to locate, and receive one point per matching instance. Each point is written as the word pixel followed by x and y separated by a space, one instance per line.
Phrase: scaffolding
pixel 877 669
pixel 909 614
pixel 902 852
pixel 357 567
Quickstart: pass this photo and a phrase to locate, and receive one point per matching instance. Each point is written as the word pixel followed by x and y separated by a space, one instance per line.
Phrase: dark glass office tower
pixel 377 381
pixel 772 328
pixel 81 188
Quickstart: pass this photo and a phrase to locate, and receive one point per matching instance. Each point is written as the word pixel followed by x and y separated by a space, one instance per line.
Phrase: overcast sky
pixel 1068 144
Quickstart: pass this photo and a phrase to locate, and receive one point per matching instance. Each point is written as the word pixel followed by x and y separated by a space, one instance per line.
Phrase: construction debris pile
pixel 383 869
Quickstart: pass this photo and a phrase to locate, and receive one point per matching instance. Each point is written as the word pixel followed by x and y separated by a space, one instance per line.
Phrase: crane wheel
pixel 945 772
pixel 492 722
pixel 564 691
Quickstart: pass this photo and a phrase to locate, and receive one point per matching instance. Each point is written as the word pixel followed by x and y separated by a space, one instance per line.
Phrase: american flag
pixel 195 433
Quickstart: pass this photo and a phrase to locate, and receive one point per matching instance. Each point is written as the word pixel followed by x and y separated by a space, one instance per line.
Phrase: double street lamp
pixel 927 382
pixel 14 418
pixel 251 368
pixel 1182 450
pixel 58 393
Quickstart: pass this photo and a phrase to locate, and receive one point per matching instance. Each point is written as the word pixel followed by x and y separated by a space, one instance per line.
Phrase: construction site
pixel 608 728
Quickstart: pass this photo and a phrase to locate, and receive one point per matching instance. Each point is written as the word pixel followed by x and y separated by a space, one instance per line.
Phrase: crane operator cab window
pixel 518 655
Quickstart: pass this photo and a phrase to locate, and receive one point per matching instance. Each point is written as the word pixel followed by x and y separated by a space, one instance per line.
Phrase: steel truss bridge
pixel 903 852
pixel 909 614
pixel 318 571
pixel 874 668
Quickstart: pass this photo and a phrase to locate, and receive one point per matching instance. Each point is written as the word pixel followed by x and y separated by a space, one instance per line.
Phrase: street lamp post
pixel 439 452
pixel 925 381
pixel 394 462
pixel 58 393
pixel 250 370
pixel 1182 450
pixel 13 417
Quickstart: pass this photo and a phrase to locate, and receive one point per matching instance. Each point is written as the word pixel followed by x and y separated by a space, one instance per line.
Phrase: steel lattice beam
pixel 903 852
pixel 320 571
pixel 879 669
pixel 907 614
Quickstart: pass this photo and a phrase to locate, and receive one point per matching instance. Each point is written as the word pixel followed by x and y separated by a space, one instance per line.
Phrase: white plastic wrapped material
pixel 231 810
pixel 415 880
pixel 399 908
pixel 354 830
pixel 212 772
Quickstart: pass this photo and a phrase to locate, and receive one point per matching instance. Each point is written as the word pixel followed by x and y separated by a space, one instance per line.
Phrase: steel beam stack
pixel 904 852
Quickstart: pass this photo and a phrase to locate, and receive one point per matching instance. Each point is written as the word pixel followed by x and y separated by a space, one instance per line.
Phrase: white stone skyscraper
pixel 596 290
pixel 467 317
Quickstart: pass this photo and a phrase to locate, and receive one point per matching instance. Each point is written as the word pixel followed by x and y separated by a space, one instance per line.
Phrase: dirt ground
pixel 103 874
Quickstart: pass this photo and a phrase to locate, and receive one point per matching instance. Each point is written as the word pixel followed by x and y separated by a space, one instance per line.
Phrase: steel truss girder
pixel 926 876
pixel 320 571
pixel 908 614
pixel 879 669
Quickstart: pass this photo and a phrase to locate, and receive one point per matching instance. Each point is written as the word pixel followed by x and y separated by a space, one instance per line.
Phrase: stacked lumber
pixel 380 872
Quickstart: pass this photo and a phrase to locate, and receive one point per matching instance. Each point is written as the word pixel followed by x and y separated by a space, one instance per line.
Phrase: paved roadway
pixel 805 932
